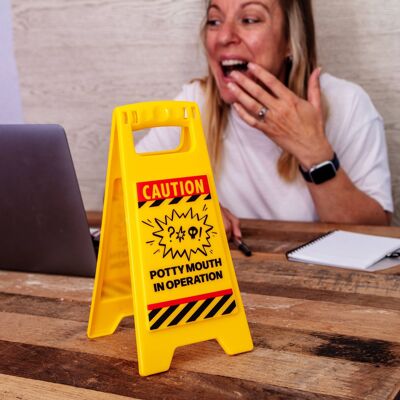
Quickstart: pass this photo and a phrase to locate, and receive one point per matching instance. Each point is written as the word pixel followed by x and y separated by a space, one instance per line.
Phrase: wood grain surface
pixel 78 59
pixel 319 333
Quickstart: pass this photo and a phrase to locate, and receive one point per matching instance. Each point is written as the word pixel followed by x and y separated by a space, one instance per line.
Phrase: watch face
pixel 323 172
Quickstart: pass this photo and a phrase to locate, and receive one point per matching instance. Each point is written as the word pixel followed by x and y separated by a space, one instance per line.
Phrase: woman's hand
pixel 231 223
pixel 294 124
pixel 297 126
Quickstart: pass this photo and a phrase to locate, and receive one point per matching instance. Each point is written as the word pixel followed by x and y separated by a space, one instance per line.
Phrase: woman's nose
pixel 228 33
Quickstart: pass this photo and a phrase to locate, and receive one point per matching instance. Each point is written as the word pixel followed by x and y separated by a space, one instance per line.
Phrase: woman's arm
pixel 338 200
pixel 297 126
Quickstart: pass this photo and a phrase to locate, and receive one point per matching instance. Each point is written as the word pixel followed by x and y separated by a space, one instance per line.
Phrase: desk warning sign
pixel 163 254
pixel 186 272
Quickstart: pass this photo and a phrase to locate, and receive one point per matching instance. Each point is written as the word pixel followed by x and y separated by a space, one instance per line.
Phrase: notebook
pixel 43 225
pixel 348 250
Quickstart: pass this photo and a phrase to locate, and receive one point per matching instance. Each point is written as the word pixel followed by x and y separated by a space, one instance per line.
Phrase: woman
pixel 286 141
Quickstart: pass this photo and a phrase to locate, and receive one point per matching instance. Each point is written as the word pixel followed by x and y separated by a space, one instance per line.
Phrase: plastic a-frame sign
pixel 163 254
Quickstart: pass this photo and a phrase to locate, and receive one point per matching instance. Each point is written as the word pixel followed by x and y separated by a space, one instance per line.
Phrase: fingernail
pixel 231 86
pixel 251 66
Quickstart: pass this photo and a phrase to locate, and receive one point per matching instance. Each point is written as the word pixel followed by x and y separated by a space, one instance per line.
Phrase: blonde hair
pixel 300 34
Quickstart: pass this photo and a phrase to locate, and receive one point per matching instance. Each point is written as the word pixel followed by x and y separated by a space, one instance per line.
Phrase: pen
pixel 395 254
pixel 242 247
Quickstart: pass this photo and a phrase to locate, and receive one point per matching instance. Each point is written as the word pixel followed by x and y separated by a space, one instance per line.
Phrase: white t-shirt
pixel 248 183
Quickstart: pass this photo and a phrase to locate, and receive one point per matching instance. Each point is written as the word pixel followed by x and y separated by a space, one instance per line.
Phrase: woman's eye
pixel 250 20
pixel 213 22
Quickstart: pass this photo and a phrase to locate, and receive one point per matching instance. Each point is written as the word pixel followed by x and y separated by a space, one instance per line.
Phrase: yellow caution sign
pixel 163 252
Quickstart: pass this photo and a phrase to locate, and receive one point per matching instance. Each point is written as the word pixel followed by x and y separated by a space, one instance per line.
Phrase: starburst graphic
pixel 183 234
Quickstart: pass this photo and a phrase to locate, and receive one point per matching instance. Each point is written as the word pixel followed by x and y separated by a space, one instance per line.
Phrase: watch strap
pixel 307 174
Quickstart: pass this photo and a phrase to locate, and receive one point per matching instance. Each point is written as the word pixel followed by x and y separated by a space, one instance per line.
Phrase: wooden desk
pixel 319 333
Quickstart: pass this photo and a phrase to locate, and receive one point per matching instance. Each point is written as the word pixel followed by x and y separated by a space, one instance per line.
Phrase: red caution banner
pixel 172 188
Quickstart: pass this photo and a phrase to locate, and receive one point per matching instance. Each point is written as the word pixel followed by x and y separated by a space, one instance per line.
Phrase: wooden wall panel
pixel 78 59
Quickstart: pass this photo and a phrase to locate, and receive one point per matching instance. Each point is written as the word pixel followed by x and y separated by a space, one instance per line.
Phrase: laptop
pixel 43 225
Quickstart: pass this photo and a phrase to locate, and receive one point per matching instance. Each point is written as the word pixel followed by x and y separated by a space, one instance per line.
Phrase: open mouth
pixel 233 65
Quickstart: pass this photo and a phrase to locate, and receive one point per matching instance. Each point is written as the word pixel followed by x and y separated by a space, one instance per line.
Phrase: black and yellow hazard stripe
pixel 175 200
pixel 191 309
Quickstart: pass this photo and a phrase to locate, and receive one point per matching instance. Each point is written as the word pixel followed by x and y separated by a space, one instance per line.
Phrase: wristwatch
pixel 321 172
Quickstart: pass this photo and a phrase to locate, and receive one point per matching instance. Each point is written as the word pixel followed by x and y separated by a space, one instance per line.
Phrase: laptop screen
pixel 43 225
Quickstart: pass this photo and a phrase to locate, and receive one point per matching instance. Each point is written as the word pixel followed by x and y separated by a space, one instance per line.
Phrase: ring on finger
pixel 262 113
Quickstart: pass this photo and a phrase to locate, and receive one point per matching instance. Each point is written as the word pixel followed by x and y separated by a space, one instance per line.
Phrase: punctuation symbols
pixel 171 231
pixel 193 232
pixel 180 235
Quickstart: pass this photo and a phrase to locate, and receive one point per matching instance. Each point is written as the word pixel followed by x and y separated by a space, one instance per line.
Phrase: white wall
pixel 78 59
pixel 10 101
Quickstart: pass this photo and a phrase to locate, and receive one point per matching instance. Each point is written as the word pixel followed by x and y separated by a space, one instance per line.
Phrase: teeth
pixel 229 63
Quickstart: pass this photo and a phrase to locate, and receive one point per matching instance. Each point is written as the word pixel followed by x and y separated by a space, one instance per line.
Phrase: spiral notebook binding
pixel 288 253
